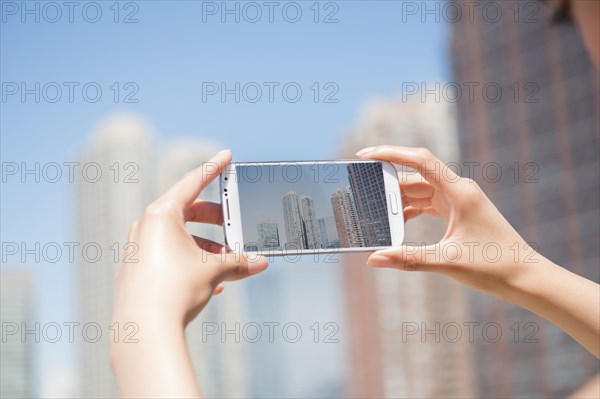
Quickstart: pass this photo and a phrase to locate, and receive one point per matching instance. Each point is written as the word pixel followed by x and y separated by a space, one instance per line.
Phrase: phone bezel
pixel 232 221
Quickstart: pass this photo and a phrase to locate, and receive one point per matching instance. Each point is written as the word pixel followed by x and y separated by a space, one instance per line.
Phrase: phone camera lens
pixel 225 189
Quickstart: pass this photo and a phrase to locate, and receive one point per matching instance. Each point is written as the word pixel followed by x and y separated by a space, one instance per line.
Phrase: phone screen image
pixel 312 207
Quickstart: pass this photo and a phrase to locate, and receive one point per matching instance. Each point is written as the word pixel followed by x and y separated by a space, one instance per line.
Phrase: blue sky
pixel 167 56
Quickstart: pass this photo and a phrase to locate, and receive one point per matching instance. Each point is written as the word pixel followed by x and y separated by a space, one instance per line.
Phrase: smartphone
pixel 289 208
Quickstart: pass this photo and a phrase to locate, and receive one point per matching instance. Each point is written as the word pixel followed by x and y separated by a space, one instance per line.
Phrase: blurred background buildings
pixel 106 209
pixel 380 301
pixel 542 133
pixel 16 355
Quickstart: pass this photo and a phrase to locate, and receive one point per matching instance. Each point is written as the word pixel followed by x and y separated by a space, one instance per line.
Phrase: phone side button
pixel 394 203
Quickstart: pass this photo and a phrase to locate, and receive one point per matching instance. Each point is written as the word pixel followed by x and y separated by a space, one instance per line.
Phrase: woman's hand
pixel 481 249
pixel 166 282
pixel 175 273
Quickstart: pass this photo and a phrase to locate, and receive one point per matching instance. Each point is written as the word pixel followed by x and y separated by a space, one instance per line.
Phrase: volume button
pixel 394 203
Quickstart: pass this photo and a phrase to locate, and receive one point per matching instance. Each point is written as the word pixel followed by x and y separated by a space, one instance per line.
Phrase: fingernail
pixel 223 151
pixel 364 151
pixel 257 265
pixel 378 260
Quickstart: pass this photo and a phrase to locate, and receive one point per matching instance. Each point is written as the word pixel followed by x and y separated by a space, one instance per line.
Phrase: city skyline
pixel 352 209
pixel 261 198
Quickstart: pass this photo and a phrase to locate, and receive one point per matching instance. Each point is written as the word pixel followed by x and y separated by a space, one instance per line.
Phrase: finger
pixel 416 202
pixel 186 190
pixel 204 212
pixel 208 245
pixel 232 266
pixel 420 159
pixel 410 176
pixel 409 258
pixel 218 289
pixel 412 212
pixel 417 189
pixel 133 230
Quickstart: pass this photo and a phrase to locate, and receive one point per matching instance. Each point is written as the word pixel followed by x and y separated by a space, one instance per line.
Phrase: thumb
pixel 238 265
pixel 408 257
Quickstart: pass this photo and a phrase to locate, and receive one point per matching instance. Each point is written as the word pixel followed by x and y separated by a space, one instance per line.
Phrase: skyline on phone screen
pixel 294 206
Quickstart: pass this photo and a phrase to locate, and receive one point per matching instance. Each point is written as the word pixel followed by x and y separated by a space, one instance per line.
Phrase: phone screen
pixel 302 207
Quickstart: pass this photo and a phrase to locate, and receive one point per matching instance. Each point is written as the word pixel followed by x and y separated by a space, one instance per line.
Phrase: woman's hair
pixel 562 13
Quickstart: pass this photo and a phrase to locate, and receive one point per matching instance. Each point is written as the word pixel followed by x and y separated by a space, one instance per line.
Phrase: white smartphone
pixel 281 208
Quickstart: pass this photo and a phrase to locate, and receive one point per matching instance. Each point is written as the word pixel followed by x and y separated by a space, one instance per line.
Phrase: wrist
pixel 143 339
pixel 159 350
pixel 155 315
pixel 141 330
pixel 524 282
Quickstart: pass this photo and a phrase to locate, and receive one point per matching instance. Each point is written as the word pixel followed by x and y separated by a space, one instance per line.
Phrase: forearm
pixel 563 298
pixel 157 365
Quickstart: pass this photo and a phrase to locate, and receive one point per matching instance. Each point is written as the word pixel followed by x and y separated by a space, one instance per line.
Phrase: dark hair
pixel 562 13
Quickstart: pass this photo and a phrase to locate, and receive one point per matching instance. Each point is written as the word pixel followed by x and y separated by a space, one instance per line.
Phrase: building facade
pixel 292 219
pixel 309 223
pixel 542 134
pixel 18 334
pixel 368 191
pixel 346 219
pixel 268 235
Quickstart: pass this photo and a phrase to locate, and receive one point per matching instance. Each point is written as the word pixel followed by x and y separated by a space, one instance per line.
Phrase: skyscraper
pixel 16 366
pixel 543 133
pixel 309 223
pixel 104 211
pixel 268 235
pixel 292 219
pixel 368 191
pixel 346 219
pixel 381 301
pixel 300 219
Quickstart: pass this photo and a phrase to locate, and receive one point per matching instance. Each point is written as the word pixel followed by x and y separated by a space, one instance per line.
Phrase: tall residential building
pixel 328 232
pixel 16 366
pixel 268 235
pixel 124 147
pixel 300 219
pixel 104 210
pixel 368 191
pixel 543 133
pixel 309 223
pixel 292 219
pixel 346 219
pixel 383 303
